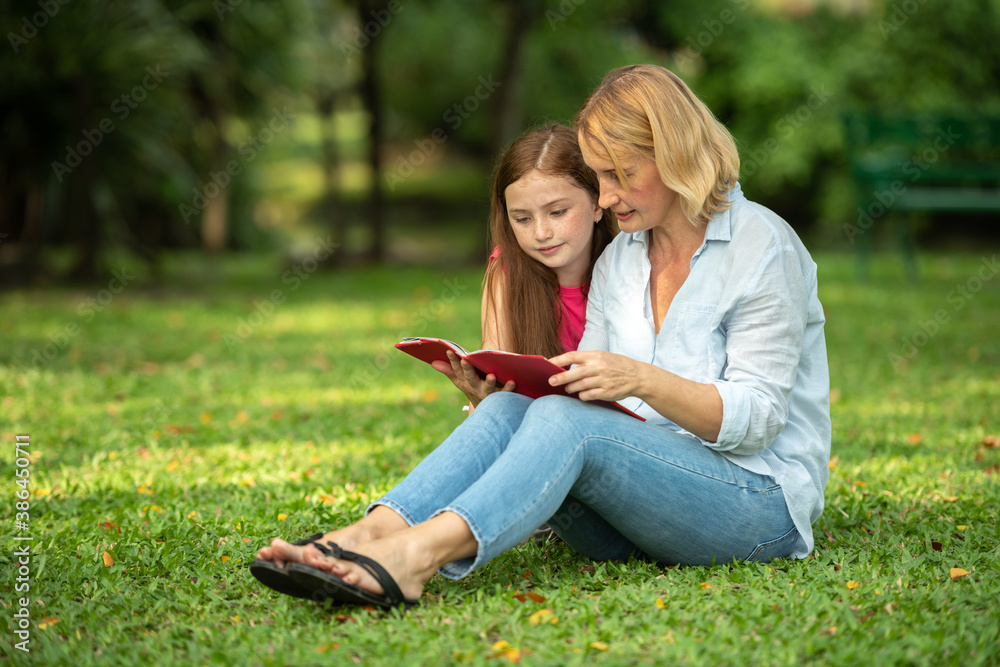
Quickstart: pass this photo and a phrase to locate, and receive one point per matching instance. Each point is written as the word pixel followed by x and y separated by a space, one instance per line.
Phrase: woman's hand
pixel 464 376
pixel 599 375
pixel 694 406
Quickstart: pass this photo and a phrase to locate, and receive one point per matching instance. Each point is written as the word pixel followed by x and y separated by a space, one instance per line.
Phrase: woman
pixel 546 225
pixel 703 317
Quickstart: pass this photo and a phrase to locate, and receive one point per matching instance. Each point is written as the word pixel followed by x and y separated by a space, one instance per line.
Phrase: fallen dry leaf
pixel 957 572
pixel 914 438
pixel 990 442
pixel 599 646
pixel 851 585
pixel 512 655
pixel 543 616
pixel 108 560
pixel 534 597
pixel 47 622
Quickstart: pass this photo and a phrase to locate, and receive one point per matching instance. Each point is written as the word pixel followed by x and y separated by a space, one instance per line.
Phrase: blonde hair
pixel 646 111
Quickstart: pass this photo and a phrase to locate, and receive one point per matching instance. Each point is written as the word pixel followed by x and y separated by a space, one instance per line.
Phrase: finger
pixel 509 386
pixel 567 359
pixel 579 385
pixel 471 375
pixel 444 368
pixel 571 375
pixel 457 363
pixel 490 384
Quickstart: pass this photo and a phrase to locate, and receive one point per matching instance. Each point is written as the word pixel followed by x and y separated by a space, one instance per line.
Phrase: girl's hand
pixel 599 375
pixel 464 376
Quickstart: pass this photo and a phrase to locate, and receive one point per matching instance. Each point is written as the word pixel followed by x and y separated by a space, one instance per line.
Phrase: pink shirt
pixel 574 316
pixel 573 304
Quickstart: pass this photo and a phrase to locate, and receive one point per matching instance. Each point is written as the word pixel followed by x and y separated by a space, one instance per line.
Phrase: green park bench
pixel 905 166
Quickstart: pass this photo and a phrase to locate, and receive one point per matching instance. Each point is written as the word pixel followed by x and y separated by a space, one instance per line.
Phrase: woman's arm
pixel 747 407
pixel 605 376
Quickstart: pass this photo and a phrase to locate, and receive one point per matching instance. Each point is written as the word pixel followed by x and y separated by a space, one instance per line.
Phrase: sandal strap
pixel 379 573
pixel 307 540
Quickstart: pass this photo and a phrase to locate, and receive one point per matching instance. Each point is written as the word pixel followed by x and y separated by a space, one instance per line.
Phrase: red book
pixel 530 372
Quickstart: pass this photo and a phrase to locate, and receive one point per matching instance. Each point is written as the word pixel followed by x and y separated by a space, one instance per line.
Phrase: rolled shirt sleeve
pixel 764 334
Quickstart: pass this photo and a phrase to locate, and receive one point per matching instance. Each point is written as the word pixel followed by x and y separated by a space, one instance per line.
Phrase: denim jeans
pixel 609 485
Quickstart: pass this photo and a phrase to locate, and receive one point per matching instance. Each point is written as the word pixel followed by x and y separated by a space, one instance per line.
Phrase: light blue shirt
pixel 747 320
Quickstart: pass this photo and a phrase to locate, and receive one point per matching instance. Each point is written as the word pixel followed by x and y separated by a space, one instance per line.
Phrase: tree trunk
pixel 215 217
pixel 506 110
pixel 371 98
pixel 330 209
pixel 507 122
pixel 80 200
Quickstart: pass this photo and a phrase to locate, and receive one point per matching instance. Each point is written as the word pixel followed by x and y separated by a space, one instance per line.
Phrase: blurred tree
pixel 127 122
pixel 243 59
pixel 326 49
pixel 72 117
pixel 112 111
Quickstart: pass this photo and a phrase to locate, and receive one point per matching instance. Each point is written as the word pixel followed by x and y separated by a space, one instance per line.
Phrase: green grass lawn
pixel 175 429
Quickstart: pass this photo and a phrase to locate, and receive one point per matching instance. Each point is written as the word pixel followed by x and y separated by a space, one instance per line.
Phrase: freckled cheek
pixel 523 239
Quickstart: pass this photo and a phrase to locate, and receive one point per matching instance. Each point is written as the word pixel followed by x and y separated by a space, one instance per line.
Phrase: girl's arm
pixel 495 337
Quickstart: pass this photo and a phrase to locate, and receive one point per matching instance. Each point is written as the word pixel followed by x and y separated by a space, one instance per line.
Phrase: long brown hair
pixel 647 111
pixel 530 310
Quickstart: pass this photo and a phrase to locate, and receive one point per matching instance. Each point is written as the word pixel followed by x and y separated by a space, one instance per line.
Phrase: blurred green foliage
pixel 455 82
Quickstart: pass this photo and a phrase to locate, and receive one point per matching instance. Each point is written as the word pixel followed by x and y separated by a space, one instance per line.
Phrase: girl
pixel 548 231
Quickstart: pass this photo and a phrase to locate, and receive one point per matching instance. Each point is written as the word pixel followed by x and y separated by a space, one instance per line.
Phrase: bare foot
pixel 403 559
pixel 381 522
pixel 410 556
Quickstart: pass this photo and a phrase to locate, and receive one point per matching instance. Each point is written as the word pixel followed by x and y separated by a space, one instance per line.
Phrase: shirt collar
pixel 720 225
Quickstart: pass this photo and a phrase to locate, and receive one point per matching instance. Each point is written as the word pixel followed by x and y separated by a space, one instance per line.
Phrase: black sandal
pixel 276 577
pixel 321 586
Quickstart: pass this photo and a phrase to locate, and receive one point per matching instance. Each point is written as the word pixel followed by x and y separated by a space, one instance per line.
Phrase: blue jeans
pixel 609 485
